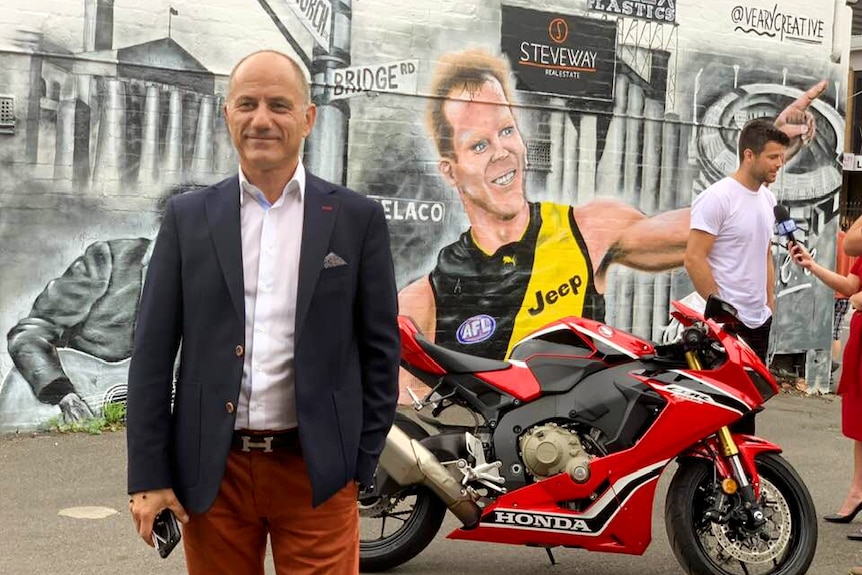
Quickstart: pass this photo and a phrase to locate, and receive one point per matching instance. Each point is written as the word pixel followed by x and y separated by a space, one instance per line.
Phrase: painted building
pixel 621 112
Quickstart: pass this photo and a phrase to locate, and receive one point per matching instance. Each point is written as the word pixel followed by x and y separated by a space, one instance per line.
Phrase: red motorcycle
pixel 567 443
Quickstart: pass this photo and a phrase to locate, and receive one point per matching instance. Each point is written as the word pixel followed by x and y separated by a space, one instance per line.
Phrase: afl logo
pixel 476 329
pixel 558 30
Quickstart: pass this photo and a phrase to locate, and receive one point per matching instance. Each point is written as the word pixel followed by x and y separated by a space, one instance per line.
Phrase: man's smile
pixel 505 179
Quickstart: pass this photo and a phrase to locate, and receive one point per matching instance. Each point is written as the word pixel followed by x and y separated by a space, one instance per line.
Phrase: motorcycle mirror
pixel 720 311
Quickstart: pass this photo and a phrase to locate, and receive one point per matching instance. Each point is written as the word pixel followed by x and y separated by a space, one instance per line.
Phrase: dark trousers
pixel 758 339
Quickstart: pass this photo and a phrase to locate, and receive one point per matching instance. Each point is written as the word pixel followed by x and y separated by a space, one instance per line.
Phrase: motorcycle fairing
pixel 598 340
pixel 690 384
pixel 618 520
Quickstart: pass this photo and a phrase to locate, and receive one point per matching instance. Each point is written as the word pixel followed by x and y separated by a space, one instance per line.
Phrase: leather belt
pixel 265 441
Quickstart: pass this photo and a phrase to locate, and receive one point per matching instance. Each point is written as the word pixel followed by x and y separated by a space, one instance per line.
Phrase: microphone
pixel 786 225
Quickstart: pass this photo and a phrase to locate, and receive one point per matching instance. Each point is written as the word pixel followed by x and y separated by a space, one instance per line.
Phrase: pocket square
pixel 333 260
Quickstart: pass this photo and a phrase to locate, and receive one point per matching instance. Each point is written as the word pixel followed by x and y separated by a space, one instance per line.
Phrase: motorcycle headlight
pixel 763 387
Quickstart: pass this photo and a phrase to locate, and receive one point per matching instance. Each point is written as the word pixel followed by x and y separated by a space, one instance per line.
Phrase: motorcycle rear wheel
pixel 706 548
pixel 413 513
pixel 416 515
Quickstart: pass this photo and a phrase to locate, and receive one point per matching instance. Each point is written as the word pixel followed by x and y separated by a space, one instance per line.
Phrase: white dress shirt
pixel 271 238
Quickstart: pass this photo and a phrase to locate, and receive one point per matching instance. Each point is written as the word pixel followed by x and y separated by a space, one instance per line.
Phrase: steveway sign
pixel 400 76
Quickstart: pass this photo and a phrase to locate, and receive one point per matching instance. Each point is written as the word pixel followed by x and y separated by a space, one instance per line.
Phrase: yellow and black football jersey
pixel 486 303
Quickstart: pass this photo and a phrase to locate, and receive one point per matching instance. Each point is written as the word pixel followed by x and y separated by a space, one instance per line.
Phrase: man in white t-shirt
pixel 729 250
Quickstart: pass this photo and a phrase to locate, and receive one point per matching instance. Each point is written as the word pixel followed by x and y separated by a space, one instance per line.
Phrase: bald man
pixel 280 288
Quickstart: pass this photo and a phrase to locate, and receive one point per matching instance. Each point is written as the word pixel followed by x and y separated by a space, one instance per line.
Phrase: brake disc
pixel 751 548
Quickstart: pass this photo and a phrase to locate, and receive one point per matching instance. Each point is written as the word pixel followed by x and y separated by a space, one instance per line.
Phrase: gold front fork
pixel 728 445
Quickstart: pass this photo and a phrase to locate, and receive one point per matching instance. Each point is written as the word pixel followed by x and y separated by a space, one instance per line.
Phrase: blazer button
pixel 229 407
pixel 239 351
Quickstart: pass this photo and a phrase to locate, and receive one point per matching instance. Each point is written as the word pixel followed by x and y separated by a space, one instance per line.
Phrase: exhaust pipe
pixel 408 462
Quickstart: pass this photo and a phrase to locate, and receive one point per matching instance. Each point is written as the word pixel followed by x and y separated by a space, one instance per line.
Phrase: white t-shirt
pixel 742 222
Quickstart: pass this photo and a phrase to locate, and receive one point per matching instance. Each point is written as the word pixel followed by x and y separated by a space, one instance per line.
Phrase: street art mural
pixel 533 159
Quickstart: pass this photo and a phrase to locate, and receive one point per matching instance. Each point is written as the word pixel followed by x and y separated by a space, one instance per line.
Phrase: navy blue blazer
pixel 347 346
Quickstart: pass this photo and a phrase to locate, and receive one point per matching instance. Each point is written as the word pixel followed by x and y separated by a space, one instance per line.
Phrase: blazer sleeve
pixel 157 337
pixel 379 343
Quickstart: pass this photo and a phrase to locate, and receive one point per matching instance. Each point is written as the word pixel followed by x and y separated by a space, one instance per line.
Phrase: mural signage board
pixel 316 16
pixel 559 54
pixel 658 10
pixel 774 23
pixel 400 77
pixel 407 210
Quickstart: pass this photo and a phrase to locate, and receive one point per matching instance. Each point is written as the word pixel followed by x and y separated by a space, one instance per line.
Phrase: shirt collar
pixel 297 182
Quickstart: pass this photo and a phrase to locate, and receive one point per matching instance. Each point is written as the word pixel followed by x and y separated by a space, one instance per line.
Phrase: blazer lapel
pixel 222 207
pixel 321 208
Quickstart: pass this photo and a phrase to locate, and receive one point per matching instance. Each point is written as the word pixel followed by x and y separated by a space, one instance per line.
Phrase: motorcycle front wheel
pixel 785 545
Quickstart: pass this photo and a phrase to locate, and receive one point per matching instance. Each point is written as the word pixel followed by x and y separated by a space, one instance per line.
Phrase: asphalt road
pixel 45 475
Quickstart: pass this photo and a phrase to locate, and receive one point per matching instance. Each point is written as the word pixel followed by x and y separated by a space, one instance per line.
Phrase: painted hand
pixel 797 121
pixel 74 409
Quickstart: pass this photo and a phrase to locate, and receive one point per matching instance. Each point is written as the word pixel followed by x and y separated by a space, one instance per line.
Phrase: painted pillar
pixel 110 160
pixel 587 154
pixel 173 156
pixel 65 150
pixel 666 202
pixel 202 157
pixel 326 148
pixel 149 171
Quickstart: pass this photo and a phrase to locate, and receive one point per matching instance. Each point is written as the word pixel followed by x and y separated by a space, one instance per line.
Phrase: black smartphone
pixel 166 532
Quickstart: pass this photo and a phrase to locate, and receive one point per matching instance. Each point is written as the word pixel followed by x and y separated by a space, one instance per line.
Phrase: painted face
pixel 765 165
pixel 267 114
pixel 489 153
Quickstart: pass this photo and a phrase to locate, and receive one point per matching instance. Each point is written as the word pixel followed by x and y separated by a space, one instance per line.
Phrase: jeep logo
pixel 571 287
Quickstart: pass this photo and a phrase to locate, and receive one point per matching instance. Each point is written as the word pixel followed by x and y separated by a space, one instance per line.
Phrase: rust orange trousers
pixel 270 494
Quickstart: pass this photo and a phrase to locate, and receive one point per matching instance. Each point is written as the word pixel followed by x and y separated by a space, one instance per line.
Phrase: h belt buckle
pixel 248 444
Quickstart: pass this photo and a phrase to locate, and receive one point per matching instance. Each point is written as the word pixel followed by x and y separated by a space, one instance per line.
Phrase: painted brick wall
pixel 117 104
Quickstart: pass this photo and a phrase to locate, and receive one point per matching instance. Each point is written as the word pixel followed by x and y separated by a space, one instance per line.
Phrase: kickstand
pixel 550 555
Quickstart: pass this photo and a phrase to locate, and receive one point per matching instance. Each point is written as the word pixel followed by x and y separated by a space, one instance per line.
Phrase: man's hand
pixel 797 121
pixel 74 409
pixel 145 505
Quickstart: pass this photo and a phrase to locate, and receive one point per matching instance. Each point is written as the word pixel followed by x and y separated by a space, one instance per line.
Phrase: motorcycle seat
pixel 457 362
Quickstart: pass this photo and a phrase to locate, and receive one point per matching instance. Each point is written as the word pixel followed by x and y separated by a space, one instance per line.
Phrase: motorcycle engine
pixel 550 449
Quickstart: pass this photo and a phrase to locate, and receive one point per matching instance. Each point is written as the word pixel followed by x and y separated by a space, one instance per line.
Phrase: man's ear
pixel 445 167
pixel 310 117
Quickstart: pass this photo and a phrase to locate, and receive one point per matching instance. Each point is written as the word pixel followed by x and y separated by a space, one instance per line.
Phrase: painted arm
pixel 416 301
pixel 847 285
pixel 616 233
pixel 64 304
pixel 699 245
pixel 797 121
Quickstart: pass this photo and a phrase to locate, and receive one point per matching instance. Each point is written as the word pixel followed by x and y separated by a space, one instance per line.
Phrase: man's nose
pixel 498 150
pixel 260 118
